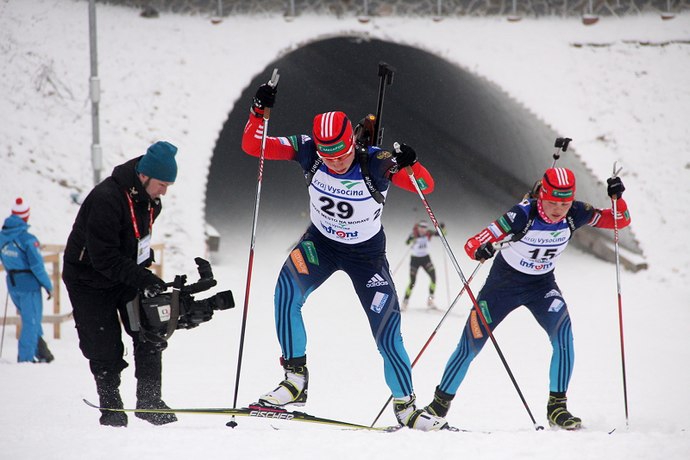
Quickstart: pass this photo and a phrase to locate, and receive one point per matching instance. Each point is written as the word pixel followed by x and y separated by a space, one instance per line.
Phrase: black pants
pixel 99 315
pixel 428 266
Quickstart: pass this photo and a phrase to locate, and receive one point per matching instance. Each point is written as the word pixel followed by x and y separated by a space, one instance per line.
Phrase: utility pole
pixel 95 96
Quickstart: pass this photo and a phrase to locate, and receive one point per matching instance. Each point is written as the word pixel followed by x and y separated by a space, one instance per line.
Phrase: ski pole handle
pixel 561 144
pixel 273 82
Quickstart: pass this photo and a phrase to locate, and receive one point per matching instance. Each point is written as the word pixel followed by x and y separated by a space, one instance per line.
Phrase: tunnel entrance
pixel 483 148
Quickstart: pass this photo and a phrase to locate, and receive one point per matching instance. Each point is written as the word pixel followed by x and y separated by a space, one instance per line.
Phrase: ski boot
pixel 292 390
pixel 404 304
pixel 418 419
pixel 431 305
pixel 558 414
pixel 441 403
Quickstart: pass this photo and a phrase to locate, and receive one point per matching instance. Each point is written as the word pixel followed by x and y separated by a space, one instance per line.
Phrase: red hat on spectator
pixel 21 209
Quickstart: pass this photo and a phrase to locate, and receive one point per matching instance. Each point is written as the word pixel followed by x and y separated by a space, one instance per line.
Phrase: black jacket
pixel 101 250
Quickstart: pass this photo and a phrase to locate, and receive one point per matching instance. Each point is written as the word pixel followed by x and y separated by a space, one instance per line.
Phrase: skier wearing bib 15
pixel 523 274
pixel 346 183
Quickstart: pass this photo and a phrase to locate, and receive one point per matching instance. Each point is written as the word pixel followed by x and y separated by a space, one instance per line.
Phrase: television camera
pixel 156 318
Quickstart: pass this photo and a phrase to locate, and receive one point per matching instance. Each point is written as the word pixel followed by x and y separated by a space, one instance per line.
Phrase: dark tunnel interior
pixel 483 148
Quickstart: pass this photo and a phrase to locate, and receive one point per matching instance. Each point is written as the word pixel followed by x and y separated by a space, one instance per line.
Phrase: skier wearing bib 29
pixel 347 183
pixel 523 274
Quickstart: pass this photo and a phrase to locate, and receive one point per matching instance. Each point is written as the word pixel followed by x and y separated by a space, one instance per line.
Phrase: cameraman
pixel 105 264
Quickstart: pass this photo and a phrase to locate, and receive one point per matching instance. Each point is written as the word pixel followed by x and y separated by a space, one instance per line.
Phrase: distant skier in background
pixel 345 234
pixel 523 274
pixel 420 239
pixel 26 274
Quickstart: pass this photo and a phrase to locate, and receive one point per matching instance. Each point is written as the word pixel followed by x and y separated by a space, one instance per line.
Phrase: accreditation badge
pixel 144 249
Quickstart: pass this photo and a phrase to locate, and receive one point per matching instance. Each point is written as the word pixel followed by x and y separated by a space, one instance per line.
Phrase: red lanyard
pixel 137 234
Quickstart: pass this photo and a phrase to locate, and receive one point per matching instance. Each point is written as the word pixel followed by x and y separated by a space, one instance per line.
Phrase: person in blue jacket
pixel 26 275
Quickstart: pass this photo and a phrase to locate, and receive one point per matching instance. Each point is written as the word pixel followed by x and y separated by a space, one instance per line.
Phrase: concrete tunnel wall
pixel 483 148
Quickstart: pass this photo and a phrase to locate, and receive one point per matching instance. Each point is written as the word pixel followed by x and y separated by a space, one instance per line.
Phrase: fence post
pixel 52 257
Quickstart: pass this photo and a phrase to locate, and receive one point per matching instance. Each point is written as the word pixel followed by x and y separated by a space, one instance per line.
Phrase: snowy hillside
pixel 619 88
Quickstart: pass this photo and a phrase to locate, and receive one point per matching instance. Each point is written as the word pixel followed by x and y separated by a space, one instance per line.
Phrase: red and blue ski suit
pixel 523 274
pixel 345 234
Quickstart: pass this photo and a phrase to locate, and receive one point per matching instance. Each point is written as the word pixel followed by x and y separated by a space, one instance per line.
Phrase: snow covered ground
pixel 620 87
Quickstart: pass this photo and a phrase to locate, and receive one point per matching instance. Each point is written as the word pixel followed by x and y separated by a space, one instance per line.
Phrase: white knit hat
pixel 21 209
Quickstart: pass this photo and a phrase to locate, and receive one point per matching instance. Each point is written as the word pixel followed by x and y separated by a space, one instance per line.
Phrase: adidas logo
pixel 376 280
pixel 552 293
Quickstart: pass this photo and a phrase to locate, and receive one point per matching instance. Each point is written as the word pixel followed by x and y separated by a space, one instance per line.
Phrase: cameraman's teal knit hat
pixel 159 162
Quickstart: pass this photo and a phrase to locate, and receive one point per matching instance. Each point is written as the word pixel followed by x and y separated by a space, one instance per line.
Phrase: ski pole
pixel 267 114
pixel 561 144
pixel 478 310
pixel 431 337
pixel 445 272
pixel 614 202
pixel 4 322
pixel 402 259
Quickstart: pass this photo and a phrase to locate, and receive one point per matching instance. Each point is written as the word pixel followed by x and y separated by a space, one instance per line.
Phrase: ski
pixel 455 429
pixel 257 411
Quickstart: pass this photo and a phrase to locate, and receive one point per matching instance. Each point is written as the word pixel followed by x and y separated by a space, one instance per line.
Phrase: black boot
pixel 108 388
pixel 441 403
pixel 558 414
pixel 149 397
pixel 43 354
pixel 148 359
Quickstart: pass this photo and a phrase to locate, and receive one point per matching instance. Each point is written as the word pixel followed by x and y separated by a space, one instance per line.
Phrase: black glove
pixel 615 187
pixel 404 155
pixel 265 97
pixel 485 251
pixel 152 290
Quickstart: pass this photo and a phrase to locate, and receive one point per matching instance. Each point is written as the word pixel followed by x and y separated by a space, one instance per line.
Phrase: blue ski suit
pixel 345 234
pixel 316 257
pixel 26 275
pixel 534 286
